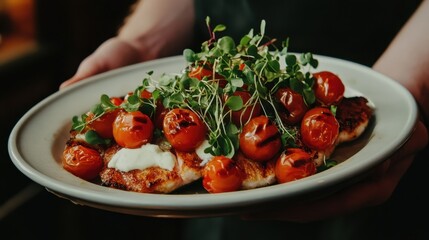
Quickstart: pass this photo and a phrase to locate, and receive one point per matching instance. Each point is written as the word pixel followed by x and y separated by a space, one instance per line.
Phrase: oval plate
pixel 38 139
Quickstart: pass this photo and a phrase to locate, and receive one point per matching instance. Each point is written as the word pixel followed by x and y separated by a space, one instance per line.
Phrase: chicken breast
pixel 153 179
pixel 256 174
pixel 353 115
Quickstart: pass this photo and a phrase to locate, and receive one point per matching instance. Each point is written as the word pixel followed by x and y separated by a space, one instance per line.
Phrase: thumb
pixel 111 54
pixel 87 68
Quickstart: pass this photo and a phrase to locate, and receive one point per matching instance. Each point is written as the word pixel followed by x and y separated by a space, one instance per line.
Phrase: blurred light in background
pixel 17 29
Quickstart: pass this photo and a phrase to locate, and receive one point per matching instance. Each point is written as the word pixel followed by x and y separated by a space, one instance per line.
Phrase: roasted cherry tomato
pixel 82 161
pixel 242 116
pixel 293 105
pixel 145 94
pixel 116 100
pixel 132 129
pixel 183 129
pixel 104 124
pixel 241 66
pixel 201 71
pixel 260 139
pixel 319 128
pixel 293 164
pixel 328 88
pixel 221 174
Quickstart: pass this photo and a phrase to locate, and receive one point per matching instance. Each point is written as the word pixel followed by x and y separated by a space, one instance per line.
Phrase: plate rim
pixel 186 202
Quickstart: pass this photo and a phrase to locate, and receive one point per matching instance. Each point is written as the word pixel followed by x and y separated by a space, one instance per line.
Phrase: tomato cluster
pixel 259 139
pixel 184 130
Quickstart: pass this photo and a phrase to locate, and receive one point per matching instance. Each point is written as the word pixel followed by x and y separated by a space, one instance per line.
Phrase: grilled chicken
pixel 353 115
pixel 153 179
pixel 256 174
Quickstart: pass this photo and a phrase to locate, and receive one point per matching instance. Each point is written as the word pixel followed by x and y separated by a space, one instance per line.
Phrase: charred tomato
pixel 221 174
pixel 132 129
pixel 260 139
pixel 293 164
pixel 184 129
pixel 319 128
pixel 81 161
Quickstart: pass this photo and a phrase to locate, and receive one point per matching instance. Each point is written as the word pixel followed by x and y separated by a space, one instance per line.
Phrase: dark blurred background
pixel 42 43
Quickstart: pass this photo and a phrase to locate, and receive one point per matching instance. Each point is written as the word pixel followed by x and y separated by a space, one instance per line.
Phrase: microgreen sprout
pixel 96 112
pixel 253 64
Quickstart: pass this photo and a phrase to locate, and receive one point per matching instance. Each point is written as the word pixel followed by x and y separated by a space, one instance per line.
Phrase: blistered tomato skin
pixel 328 88
pixel 104 124
pixel 116 100
pixel 82 161
pixel 132 129
pixel 184 130
pixel 260 139
pixel 293 105
pixel 319 128
pixel 221 174
pixel 294 164
pixel 201 71
pixel 242 116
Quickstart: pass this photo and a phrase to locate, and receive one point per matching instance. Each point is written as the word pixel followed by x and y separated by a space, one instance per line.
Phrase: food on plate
pixel 222 174
pixel 239 116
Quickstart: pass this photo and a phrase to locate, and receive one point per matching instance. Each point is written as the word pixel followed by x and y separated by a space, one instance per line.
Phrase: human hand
pixel 113 53
pixel 373 190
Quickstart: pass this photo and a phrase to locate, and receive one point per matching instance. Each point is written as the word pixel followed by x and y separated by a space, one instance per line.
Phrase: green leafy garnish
pixel 93 138
pixel 326 165
pixel 253 64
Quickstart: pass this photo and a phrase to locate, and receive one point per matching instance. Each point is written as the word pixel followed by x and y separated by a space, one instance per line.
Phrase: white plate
pixel 37 140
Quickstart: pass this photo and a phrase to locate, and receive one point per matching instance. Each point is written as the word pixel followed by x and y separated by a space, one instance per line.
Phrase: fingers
pixel 113 53
pixel 87 68
pixel 70 81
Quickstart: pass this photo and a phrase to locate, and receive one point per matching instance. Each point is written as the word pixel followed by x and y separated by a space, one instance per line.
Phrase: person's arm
pixel 406 60
pixel 156 28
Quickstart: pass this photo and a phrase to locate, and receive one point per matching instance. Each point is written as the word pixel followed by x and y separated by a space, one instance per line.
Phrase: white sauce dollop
pixel 148 155
pixel 205 157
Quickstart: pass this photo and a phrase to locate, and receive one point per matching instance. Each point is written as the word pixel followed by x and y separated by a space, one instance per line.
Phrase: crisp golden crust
pixel 154 179
pixel 256 174
pixel 149 180
pixel 353 115
pixel 190 168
